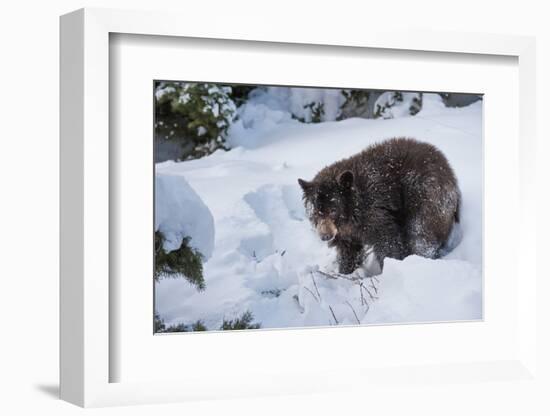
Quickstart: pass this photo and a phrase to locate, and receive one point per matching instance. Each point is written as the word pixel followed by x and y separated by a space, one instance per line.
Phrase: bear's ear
pixel 345 179
pixel 305 185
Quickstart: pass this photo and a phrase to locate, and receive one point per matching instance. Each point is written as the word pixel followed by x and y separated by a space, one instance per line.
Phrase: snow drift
pixel 180 213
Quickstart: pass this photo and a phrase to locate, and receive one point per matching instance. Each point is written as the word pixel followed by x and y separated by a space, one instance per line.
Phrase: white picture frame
pixel 85 220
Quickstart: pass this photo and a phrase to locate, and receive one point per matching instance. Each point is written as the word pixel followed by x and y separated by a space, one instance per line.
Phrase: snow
pixel 268 108
pixel 163 90
pixel 201 130
pixel 266 257
pixel 272 105
pixel 180 212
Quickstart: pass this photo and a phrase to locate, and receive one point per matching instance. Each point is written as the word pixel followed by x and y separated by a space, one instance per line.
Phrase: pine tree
pixel 396 104
pixel 243 322
pixel 359 103
pixel 239 93
pixel 184 262
pixel 197 115
pixel 161 327
pixel 378 104
pixel 316 112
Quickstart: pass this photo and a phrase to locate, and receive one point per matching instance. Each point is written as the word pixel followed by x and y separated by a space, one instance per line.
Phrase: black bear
pixel 395 198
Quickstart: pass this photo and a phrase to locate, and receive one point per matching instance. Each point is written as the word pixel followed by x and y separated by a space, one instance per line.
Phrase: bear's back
pixel 398 173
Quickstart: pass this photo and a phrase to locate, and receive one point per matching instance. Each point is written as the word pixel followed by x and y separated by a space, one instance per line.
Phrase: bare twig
pixel 351 277
pixel 370 294
pixel 327 275
pixel 315 284
pixel 356 280
pixel 353 310
pixel 312 294
pixel 374 287
pixel 338 276
pixel 334 316
pixel 363 300
pixel 359 281
pixel 297 300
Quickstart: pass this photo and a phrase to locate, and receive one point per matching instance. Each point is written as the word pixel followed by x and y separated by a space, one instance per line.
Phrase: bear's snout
pixel 326 229
pixel 326 237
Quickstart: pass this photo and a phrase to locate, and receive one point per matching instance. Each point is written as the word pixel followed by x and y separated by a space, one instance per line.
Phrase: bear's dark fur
pixel 396 198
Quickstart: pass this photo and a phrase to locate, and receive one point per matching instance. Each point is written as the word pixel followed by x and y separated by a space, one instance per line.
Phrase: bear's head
pixel 329 203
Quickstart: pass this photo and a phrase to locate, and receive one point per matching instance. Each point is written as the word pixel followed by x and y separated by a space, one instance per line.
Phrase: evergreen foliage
pixel 196 114
pixel 389 99
pixel 239 93
pixel 185 261
pixel 416 105
pixel 158 325
pixel 358 103
pixel 243 322
pixel 317 110
pixel 161 327
pixel 380 110
pixel 315 113
pixel 355 104
pixel 366 104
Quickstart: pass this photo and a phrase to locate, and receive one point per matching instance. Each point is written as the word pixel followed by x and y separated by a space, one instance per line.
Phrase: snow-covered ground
pixel 267 258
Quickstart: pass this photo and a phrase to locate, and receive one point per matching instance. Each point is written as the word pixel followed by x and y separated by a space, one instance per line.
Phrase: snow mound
pixel 417 289
pixel 267 108
pixel 180 213
pixel 432 104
